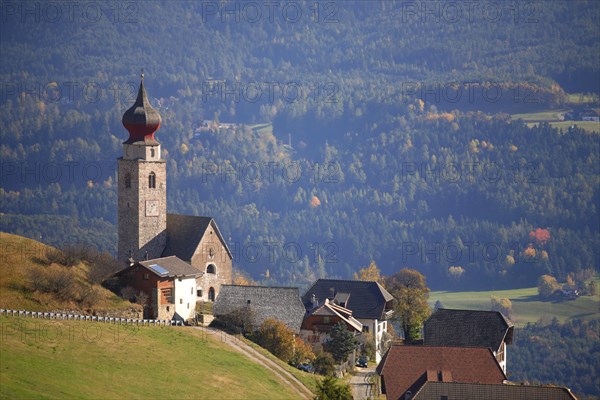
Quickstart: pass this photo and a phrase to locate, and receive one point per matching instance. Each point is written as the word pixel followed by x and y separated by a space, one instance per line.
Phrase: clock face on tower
pixel 151 208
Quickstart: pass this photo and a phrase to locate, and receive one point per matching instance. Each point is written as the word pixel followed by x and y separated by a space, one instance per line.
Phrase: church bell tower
pixel 142 185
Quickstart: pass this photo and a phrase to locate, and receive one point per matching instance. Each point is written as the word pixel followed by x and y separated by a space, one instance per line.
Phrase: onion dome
pixel 141 120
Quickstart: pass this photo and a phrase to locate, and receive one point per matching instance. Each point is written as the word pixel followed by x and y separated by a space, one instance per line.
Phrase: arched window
pixel 211 294
pixel 152 152
pixel 211 269
pixel 152 180
pixel 128 181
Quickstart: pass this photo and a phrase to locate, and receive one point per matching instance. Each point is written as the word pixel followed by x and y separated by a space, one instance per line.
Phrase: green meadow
pixel 85 360
pixel 527 306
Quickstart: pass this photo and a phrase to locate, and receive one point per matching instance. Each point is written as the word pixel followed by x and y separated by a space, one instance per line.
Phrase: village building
pixel 470 328
pixel 170 285
pixel 318 322
pixel 261 303
pixel 147 234
pixel 370 303
pixel 406 368
pixel 435 390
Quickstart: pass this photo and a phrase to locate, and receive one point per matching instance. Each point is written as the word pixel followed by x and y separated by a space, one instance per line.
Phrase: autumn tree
pixel 370 273
pixel 282 342
pixel 502 305
pixel 540 235
pixel 242 278
pixel 410 290
pixel 547 285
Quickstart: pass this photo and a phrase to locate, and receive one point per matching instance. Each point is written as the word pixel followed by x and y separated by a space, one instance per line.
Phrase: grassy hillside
pixel 19 256
pixel 527 306
pixel 71 359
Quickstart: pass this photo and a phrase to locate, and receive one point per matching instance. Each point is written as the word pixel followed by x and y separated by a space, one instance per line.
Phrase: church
pixel 176 260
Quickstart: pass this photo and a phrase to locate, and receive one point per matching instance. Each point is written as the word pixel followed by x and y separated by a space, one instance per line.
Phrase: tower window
pixel 152 180
pixel 211 269
pixel 152 152
pixel 128 181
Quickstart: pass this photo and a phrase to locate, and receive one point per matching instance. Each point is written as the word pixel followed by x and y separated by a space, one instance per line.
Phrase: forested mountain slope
pixel 385 163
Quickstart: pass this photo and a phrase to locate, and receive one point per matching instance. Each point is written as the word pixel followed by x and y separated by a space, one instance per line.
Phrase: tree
pixel 342 342
pixel 276 337
pixel 242 278
pixel 547 285
pixel 324 363
pixel 438 304
pixel 502 305
pixel 410 290
pixel 302 352
pixel 367 345
pixel 370 273
pixel 330 389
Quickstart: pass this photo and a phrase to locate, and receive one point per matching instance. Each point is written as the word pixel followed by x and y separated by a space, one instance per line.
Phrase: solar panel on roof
pixel 158 269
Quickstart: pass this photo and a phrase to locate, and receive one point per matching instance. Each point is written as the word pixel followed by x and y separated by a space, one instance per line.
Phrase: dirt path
pixel 361 384
pixel 255 356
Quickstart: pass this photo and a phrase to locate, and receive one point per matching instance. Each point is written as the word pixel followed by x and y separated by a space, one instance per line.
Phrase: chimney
pixel 314 301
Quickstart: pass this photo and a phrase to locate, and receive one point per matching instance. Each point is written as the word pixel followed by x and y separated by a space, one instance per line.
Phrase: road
pixel 361 383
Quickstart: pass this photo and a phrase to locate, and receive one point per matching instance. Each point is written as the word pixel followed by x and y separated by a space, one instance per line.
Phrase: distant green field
pixel 262 128
pixel 589 126
pixel 85 360
pixel 549 115
pixel 553 117
pixel 527 306
pixel 582 98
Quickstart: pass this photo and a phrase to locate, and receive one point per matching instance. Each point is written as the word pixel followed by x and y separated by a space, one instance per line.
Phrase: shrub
pixel 331 389
pixel 324 363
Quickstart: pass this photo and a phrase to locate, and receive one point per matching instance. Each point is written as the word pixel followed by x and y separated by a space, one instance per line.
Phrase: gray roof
pixel 184 233
pixel 170 266
pixel 477 391
pixel 282 303
pixel 366 299
pixel 467 328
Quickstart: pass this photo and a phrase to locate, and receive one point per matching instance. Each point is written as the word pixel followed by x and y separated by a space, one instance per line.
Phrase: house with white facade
pixel 370 303
pixel 169 283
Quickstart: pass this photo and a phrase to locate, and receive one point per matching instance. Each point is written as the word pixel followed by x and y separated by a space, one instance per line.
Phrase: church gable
pixel 198 241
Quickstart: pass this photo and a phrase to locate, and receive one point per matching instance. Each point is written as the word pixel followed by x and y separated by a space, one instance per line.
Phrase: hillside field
pixel 18 255
pixel 73 359
pixel 527 306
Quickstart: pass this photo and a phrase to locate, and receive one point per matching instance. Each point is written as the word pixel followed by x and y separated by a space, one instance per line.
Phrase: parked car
pixel 306 368
pixel 362 362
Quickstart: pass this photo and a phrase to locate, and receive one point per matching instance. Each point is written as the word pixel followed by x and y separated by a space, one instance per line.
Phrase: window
pixel 199 293
pixel 168 308
pixel 152 180
pixel 152 152
pixel 128 181
pixel 180 301
pixel 146 276
pixel 192 290
pixel 167 295
pixel 211 294
pixel 325 320
pixel 366 328
pixel 188 306
pixel 211 269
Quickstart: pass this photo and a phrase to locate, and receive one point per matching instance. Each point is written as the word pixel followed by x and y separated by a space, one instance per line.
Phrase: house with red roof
pixel 405 369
